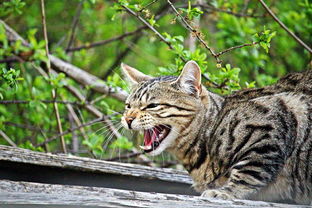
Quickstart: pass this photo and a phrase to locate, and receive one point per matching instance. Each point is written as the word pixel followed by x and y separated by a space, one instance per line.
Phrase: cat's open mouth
pixel 154 136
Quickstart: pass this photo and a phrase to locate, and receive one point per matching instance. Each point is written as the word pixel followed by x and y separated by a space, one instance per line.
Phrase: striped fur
pixel 253 144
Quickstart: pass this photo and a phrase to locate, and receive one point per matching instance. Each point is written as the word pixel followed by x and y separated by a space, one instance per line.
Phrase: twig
pixel 162 38
pixel 82 131
pixel 119 58
pixel 69 131
pixel 87 79
pixel 104 42
pixel 245 7
pixel 147 5
pixel 195 32
pixel 285 27
pixel 235 47
pixel 9 60
pixel 74 25
pixel 160 13
pixel 72 71
pixel 43 101
pixel 206 7
pixel 6 138
pixel 23 126
pixel 48 63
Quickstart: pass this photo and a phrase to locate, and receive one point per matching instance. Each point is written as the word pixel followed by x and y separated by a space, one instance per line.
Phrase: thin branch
pixel 195 32
pixel 43 101
pixel 6 138
pixel 160 13
pixel 119 58
pixel 245 7
pixel 212 8
pixel 97 120
pixel 74 25
pixel 104 42
pixel 162 38
pixel 147 5
pixel 285 27
pixel 81 76
pixel 32 128
pixel 74 118
pixel 48 63
pixel 87 79
pixel 9 60
pixel 235 47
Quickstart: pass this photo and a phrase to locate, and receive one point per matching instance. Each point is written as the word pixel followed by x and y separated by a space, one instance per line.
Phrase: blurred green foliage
pixel 221 23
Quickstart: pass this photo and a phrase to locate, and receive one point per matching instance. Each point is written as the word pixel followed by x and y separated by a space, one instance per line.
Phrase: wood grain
pixel 17 193
pixel 91 165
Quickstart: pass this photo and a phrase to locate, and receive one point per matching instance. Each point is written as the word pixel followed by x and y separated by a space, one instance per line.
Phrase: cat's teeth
pixel 146 147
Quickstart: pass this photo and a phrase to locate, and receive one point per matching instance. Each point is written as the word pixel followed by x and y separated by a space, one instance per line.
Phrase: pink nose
pixel 129 121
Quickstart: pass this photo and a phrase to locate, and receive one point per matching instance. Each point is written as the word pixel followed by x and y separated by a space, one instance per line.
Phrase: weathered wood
pixel 15 193
pixel 87 164
pixel 24 165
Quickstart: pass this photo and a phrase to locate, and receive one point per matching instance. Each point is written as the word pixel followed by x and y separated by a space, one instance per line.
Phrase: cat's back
pixel 295 83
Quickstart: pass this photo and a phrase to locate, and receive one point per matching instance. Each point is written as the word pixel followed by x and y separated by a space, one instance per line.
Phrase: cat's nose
pixel 129 121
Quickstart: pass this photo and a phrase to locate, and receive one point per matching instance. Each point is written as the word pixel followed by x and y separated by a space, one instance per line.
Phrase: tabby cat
pixel 253 144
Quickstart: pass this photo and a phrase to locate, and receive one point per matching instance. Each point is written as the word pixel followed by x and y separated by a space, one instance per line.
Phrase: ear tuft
pixel 133 75
pixel 190 79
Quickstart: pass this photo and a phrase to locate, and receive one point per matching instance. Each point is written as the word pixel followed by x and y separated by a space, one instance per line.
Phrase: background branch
pixel 74 25
pixel 48 63
pixel 7 138
pixel 285 27
pixel 72 71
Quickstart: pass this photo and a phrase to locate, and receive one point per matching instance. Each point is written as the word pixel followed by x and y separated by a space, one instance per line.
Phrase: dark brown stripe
pixel 214 102
pixel 202 156
pixel 259 108
pixel 175 115
pixel 177 107
pixel 244 183
pixel 232 127
pixel 252 173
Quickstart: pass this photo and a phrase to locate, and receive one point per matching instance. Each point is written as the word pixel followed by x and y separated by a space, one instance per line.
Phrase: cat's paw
pixel 213 193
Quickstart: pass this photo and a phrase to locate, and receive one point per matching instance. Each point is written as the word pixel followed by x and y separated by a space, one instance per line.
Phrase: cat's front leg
pixel 234 191
pixel 244 182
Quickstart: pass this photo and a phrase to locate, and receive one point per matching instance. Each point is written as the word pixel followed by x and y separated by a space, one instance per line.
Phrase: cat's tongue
pixel 150 135
pixel 154 136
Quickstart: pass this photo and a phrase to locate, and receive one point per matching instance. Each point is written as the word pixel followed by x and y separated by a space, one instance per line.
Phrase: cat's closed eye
pixel 152 105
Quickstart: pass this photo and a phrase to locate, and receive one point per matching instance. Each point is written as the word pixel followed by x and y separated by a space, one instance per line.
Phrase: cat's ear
pixel 189 80
pixel 133 75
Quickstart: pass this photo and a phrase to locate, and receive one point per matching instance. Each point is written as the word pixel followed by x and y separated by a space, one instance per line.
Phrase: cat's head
pixel 162 107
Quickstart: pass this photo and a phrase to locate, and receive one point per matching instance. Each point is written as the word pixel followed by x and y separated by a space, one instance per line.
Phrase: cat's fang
pixel 145 147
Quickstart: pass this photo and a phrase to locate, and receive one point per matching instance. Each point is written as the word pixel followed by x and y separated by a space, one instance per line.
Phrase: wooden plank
pixel 24 165
pixel 87 164
pixel 25 193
